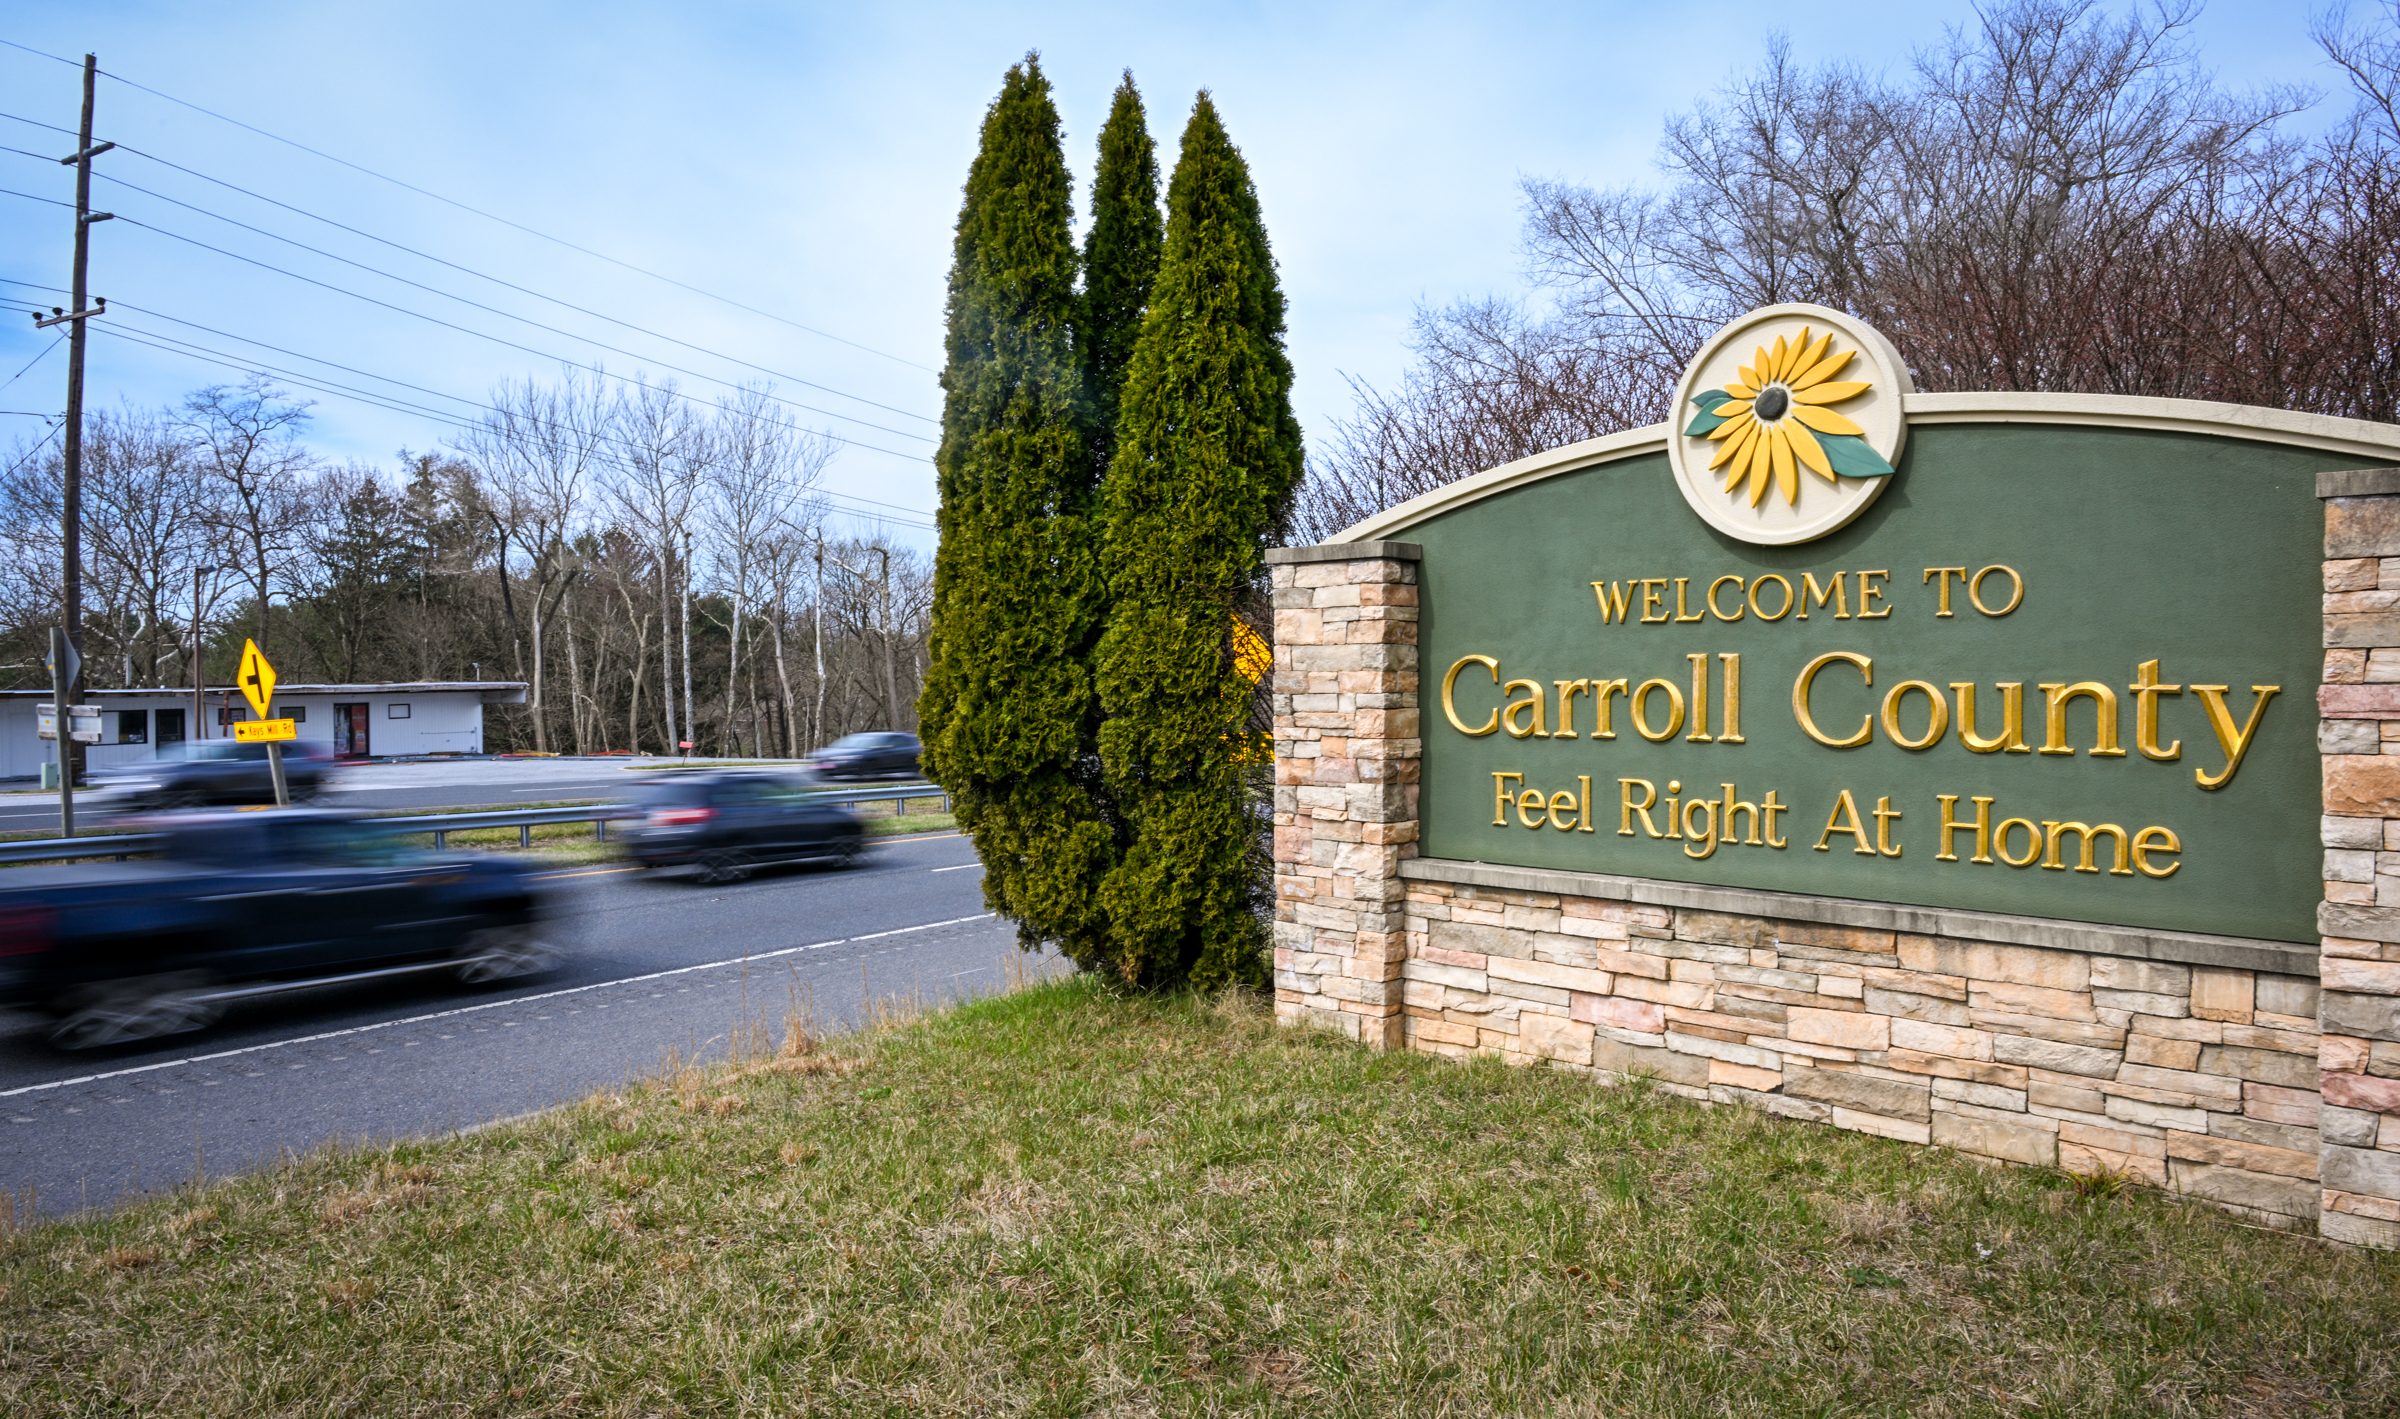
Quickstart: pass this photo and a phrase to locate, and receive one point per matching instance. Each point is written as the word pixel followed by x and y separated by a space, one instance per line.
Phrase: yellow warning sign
pixel 264 731
pixel 257 679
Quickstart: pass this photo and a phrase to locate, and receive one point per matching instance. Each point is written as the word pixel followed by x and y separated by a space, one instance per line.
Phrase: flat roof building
pixel 350 721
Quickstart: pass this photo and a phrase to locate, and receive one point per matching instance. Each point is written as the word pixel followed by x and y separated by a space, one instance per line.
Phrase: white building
pixel 352 721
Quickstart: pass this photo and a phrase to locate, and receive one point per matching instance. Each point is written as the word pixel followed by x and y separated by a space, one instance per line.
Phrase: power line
pixel 170 345
pixel 467 270
pixel 29 364
pixel 487 216
pixel 466 330
pixel 319 384
pixel 598 370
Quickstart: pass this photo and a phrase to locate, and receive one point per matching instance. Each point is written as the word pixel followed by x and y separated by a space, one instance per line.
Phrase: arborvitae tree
pixel 1208 455
pixel 1007 712
pixel 1120 261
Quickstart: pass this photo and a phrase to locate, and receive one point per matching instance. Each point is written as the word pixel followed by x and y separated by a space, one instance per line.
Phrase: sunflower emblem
pixel 1775 420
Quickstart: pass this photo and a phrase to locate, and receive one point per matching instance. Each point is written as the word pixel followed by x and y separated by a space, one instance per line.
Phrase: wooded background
pixel 2054 198
pixel 656 567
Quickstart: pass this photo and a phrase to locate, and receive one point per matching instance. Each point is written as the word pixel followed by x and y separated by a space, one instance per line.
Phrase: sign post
pixel 257 679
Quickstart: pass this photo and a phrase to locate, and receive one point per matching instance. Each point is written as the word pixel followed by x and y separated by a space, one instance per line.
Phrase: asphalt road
pixel 656 967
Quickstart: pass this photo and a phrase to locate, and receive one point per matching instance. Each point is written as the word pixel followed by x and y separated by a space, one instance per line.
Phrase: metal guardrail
pixel 442 825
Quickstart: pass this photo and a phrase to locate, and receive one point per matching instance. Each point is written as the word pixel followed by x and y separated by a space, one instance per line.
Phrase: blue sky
pixel 806 160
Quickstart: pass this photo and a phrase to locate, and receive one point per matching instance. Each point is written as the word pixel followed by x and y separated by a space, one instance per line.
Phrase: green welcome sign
pixel 2046 655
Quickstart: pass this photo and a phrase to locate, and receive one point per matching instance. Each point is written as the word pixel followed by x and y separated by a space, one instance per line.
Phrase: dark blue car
pixel 246 904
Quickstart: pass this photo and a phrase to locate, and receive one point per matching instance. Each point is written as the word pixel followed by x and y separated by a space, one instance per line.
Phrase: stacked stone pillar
pixel 2359 972
pixel 1347 750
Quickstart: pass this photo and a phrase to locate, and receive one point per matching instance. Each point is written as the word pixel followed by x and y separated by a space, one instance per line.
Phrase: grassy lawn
pixel 1063 1203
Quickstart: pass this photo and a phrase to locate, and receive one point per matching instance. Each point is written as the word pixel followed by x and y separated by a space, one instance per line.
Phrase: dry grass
pixel 1062 1202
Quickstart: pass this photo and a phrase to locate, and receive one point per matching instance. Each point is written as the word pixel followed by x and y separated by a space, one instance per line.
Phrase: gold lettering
pixel 2146 691
pixel 1940 576
pixel 1699 734
pixel 1808 723
pixel 2033 842
pixel 1950 824
pixel 1733 697
pixel 2052 832
pixel 1845 808
pixel 1530 799
pixel 2104 705
pixel 1674 811
pixel 1975 590
pixel 1567 691
pixel 1654 595
pixel 1638 702
pixel 1706 809
pixel 1615 610
pixel 1601 690
pixel 1725 818
pixel 1868 595
pixel 2234 742
pixel 1937 723
pixel 1626 807
pixel 1682 585
pixel 1512 714
pixel 1770 807
pixel 1450 711
pixel 1884 814
pixel 1562 800
pixel 1501 797
pixel 2143 847
pixel 2012 718
pixel 1583 820
pixel 1781 611
pixel 1836 592
pixel 1710 600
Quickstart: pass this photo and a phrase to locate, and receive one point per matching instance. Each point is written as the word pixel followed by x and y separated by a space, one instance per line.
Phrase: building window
pixel 396 711
pixel 297 714
pixel 133 726
pixel 228 717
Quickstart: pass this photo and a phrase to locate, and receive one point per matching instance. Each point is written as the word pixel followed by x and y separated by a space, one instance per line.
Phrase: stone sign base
pixel 2208 1065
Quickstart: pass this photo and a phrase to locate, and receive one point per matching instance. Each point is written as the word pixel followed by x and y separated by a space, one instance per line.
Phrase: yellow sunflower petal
pixel 1809 357
pixel 1825 421
pixel 1806 448
pixel 1749 375
pixel 1741 391
pixel 1732 447
pixel 1773 368
pixel 1730 408
pixel 1830 393
pixel 1762 463
pixel 1733 425
pixel 1823 370
pixel 1786 479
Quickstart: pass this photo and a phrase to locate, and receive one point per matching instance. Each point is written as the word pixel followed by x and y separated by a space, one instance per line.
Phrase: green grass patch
pixel 1061 1202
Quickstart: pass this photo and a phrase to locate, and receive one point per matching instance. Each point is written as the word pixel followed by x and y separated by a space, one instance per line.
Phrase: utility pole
pixel 193 733
pixel 891 682
pixel 691 726
pixel 816 723
pixel 71 488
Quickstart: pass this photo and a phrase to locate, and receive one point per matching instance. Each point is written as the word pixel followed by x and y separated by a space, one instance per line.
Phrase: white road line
pixel 487 1005
pixel 962 867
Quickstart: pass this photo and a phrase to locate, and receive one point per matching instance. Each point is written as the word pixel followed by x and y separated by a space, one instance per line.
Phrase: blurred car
pixel 879 755
pixel 190 775
pixel 247 904
pixel 727 824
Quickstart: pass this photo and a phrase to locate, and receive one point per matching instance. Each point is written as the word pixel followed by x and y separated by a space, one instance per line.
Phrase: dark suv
pixel 881 755
pixel 193 775
pixel 725 825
